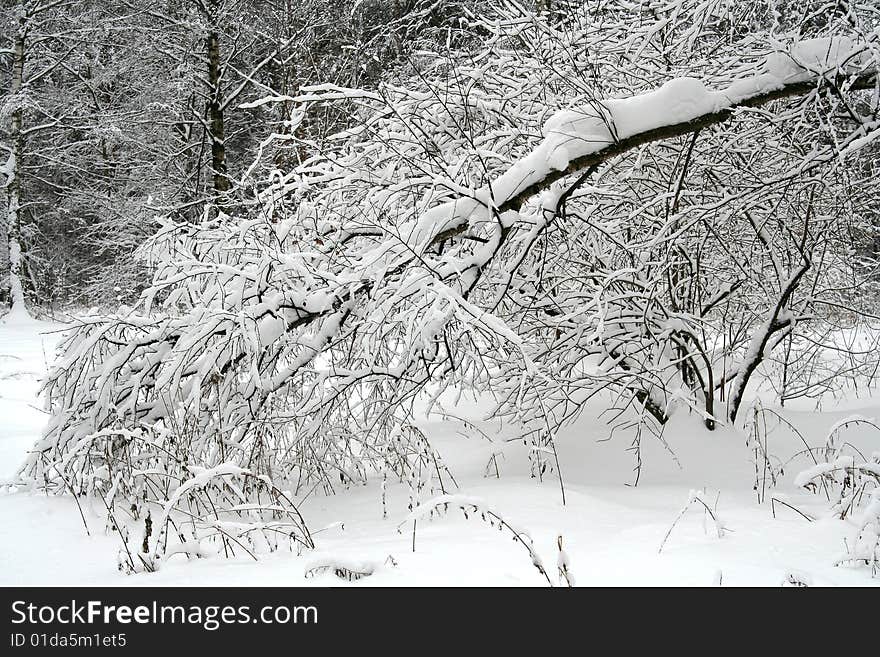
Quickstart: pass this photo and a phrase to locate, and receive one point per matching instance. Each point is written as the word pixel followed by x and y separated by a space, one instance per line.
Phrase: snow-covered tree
pixel 134 109
pixel 36 48
pixel 646 203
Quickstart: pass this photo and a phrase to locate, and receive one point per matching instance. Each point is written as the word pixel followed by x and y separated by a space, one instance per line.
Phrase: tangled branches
pixel 499 225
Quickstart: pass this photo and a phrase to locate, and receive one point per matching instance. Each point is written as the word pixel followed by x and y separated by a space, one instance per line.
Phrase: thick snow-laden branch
pixel 598 132
pixel 587 136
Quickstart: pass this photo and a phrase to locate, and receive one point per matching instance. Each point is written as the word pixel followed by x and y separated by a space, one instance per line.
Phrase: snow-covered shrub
pixel 851 482
pixel 410 458
pixel 695 498
pixel 159 503
pixel 847 477
pixel 639 221
pixel 843 474
pixel 472 507
pixel 865 548
pixel 765 425
pixel 477 508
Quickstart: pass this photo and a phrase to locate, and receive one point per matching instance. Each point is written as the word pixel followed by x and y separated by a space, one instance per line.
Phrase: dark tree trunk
pixel 215 115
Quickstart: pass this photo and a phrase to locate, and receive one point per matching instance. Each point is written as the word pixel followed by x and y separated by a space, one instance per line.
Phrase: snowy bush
pixel 865 548
pixel 159 504
pixel 475 507
pixel 695 498
pixel 851 483
pixel 844 473
pixel 647 220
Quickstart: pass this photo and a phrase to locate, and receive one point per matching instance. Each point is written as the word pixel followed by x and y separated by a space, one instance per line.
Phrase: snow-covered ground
pixel 611 531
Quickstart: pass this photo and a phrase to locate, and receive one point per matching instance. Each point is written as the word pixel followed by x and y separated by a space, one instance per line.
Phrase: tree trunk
pixel 777 321
pixel 12 185
pixel 215 115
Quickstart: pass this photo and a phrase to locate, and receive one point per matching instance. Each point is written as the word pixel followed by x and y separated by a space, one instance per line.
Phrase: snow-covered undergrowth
pixel 844 469
pixel 612 533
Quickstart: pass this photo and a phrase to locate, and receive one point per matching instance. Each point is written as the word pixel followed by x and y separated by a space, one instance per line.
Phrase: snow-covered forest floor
pixel 611 531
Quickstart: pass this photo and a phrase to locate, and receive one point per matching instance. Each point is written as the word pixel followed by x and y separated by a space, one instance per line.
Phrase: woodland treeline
pixel 116 112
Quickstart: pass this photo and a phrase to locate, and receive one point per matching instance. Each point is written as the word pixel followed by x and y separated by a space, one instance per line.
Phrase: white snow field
pixel 611 531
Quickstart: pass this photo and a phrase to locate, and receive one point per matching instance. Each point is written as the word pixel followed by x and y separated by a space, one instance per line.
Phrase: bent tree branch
pixel 284 310
pixel 588 163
